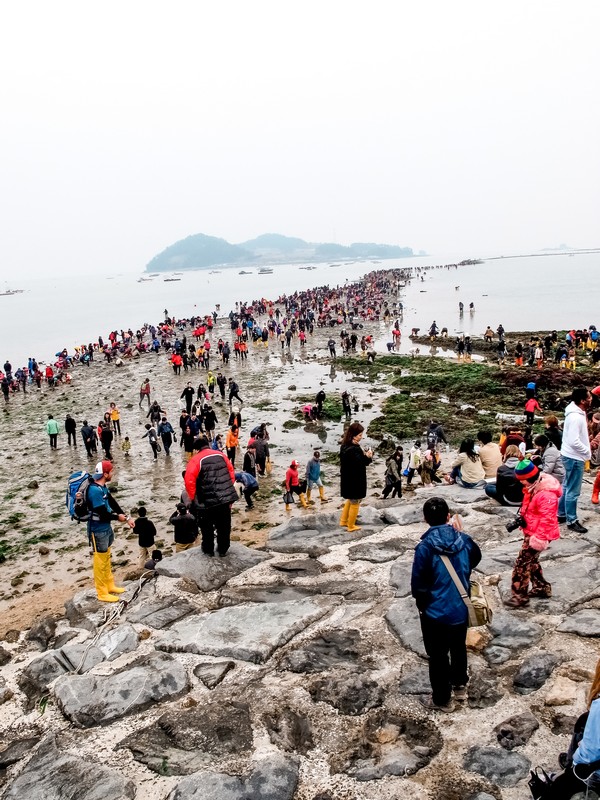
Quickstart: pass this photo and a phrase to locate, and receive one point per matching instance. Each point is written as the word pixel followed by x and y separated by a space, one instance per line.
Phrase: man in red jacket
pixel 209 479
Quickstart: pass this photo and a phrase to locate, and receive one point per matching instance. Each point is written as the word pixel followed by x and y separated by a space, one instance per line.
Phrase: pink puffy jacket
pixel 540 508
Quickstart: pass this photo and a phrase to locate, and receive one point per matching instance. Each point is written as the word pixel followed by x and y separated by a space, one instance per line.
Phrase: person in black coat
pixel 353 474
pixel 70 428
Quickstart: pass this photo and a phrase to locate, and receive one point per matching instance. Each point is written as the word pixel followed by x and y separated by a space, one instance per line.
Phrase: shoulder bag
pixel 477 604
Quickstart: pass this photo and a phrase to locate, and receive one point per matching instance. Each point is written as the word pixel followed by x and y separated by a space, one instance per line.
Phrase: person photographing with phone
pixel 353 475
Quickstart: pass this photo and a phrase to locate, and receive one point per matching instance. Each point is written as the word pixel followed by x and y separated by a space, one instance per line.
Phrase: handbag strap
pixel 462 591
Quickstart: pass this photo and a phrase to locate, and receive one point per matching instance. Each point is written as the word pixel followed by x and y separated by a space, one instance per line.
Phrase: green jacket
pixel 52 426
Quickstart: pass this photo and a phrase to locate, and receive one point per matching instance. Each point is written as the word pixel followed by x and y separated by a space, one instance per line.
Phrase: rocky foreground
pixel 293 673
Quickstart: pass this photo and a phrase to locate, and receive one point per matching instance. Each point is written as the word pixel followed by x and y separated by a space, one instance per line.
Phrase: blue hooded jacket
pixel 431 584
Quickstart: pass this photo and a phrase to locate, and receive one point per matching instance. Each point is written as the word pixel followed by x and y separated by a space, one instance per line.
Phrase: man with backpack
pixel 103 509
pixel 443 612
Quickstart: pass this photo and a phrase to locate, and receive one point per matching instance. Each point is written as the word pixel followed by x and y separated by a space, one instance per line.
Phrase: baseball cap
pixel 103 467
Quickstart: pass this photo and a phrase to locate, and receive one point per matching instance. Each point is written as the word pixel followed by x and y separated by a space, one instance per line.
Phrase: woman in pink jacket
pixel 538 521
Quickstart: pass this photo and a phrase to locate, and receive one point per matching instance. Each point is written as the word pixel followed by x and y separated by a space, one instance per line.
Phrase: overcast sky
pixel 465 127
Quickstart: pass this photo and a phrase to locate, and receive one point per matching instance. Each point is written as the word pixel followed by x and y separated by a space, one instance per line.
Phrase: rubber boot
pixel 352 515
pixel 308 500
pixel 344 517
pixel 100 578
pixel 322 495
pixel 110 581
pixel 288 507
pixel 302 498
pixel 596 490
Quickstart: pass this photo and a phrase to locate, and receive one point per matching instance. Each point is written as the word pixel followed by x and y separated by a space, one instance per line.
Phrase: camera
pixel 518 522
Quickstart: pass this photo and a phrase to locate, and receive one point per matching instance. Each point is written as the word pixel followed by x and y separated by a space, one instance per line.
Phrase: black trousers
pixel 447 650
pixel 53 440
pixel 71 435
pixel 215 519
pixel 395 488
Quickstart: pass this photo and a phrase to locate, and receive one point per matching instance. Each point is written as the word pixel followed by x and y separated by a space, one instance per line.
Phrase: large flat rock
pixel 380 552
pixel 210 573
pixel 52 774
pixel 273 778
pixel 571 579
pixel 400 575
pixel 250 632
pixel 403 620
pixel 37 676
pixel 84 610
pixel 188 740
pixel 89 700
pixel 512 631
pixel 582 623
pixel 160 611
pixel 316 533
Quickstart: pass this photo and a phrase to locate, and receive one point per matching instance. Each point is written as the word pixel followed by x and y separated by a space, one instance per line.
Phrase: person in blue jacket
pixel 443 613
pixel 250 485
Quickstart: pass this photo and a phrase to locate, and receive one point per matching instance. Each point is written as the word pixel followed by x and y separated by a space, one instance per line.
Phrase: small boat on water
pixel 215 272
pixel 154 274
pixel 244 272
pixel 143 280
pixel 170 280
pixel 11 291
pixel 178 273
pixel 265 271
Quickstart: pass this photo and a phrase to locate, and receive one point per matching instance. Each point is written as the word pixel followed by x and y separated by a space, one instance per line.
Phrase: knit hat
pixel 525 470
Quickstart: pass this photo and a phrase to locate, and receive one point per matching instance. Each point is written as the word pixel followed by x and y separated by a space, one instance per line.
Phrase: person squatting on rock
pixel 353 475
pixel 103 510
pixel 185 526
pixel 313 477
pixel 538 522
pixel 209 482
pixel 443 613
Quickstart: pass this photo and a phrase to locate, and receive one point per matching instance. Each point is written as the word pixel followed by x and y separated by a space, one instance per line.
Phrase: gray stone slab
pixel 52 774
pixel 160 612
pixel 316 533
pixel 400 575
pixel 334 648
pixel 84 610
pixel 497 765
pixel 37 676
pixel 249 632
pixel 89 700
pixel 299 567
pixel 582 623
pixel 510 630
pixel 273 778
pixel 499 559
pixel 403 620
pixel 516 730
pixel 416 681
pixel 534 672
pixel 410 514
pixel 380 552
pixel 271 593
pixel 210 573
pixel 571 580
pixel 211 673
pixel 183 741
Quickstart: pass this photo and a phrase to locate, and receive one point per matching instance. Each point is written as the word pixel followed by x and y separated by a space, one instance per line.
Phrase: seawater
pixel 534 293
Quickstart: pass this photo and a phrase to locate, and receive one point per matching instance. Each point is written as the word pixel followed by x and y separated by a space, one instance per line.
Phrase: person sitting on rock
pixel 443 613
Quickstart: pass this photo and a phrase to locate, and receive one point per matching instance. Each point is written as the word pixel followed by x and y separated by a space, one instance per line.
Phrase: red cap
pixel 106 467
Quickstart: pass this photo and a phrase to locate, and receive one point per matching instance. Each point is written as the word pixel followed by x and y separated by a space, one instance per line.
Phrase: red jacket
pixel 209 479
pixel 291 478
pixel 540 508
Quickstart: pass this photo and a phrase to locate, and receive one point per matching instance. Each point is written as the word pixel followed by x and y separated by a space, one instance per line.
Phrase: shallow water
pixel 555 291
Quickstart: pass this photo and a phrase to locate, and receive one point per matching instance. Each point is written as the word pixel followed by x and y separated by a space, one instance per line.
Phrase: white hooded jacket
pixel 576 442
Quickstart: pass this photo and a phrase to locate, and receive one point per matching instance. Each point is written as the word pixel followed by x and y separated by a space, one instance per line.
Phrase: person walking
pixel 145 392
pixel 146 531
pixel 90 438
pixel 393 474
pixel 185 534
pixel 152 438
pixel 104 509
pixel 115 418
pixel 443 613
pixel 167 434
pixel 575 451
pixel 209 482
pixel 106 438
pixel 537 520
pixel 70 428
pixel 52 430
pixel 231 442
pixel 292 486
pixel 313 477
pixel 234 391
pixel 353 475
pixel 188 395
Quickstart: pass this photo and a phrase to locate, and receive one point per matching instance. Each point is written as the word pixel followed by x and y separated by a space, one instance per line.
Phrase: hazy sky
pixel 462 126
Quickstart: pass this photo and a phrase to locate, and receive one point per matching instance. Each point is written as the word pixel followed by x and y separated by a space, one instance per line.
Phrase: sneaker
pixel 427 702
pixel 561 520
pixel 460 693
pixel 577 527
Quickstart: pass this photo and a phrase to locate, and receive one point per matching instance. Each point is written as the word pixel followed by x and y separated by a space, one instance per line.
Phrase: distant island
pixel 200 251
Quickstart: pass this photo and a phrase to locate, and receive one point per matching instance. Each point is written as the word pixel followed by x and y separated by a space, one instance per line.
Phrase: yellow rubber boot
pixel 288 507
pixel 308 500
pixel 322 495
pixel 344 517
pixel 596 490
pixel 302 498
pixel 100 578
pixel 352 515
pixel 110 581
